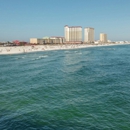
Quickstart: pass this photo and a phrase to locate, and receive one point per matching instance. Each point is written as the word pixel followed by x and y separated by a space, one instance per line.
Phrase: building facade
pixel 73 34
pixel 47 40
pixel 89 35
pixel 58 40
pixel 35 40
pixel 103 38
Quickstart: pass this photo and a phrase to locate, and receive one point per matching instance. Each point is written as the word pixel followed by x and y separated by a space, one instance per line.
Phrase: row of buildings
pixel 72 34
pixel 47 40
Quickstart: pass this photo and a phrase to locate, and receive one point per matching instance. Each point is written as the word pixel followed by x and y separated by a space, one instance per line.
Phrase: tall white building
pixel 66 33
pixel 89 35
pixel 73 34
pixel 103 38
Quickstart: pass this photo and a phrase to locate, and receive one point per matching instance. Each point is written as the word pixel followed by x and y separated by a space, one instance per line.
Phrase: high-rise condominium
pixel 89 35
pixel 103 38
pixel 73 34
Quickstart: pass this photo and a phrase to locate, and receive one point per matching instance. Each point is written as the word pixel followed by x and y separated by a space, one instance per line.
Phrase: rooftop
pixel 89 27
pixel 73 26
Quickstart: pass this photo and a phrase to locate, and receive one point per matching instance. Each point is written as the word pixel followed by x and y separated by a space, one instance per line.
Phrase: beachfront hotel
pixel 89 35
pixel 73 34
pixel 103 38
pixel 47 40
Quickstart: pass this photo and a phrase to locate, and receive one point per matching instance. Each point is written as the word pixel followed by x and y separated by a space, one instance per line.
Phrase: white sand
pixel 28 49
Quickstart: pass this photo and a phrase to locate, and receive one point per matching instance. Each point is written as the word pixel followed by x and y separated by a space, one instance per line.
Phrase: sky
pixel 25 19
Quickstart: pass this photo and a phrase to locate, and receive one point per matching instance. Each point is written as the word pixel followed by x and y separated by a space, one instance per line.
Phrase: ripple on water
pixel 65 90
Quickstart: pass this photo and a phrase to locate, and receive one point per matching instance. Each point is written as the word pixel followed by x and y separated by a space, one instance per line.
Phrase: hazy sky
pixel 24 19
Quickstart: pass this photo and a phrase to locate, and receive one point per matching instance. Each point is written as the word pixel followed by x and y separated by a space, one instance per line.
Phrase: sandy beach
pixel 36 48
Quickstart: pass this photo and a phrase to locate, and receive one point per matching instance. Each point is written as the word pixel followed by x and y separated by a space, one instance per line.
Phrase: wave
pixel 40 57
pixel 20 58
pixel 79 53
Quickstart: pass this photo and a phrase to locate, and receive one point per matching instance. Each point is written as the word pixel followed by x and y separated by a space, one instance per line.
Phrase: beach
pixel 35 48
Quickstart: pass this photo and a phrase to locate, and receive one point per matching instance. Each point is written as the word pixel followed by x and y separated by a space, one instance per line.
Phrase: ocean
pixel 79 89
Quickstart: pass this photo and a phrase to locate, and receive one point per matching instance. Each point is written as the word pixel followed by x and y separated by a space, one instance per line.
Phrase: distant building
pixel 19 43
pixel 56 39
pixel 35 40
pixel 89 35
pixel 97 41
pixel 103 38
pixel 73 34
pixel 47 40
pixel 109 41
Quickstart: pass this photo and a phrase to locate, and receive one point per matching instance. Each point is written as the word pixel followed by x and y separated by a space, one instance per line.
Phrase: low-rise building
pixel 47 40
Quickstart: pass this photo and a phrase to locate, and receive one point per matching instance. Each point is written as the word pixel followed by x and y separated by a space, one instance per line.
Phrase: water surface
pixel 81 89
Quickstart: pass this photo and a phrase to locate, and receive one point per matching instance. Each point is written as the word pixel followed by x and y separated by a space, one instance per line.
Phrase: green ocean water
pixel 81 89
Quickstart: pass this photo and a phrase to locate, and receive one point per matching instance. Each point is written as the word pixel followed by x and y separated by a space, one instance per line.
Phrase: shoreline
pixel 39 48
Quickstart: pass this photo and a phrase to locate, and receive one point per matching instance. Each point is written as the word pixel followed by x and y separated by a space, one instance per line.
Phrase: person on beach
pixel 7 50
pixel 24 50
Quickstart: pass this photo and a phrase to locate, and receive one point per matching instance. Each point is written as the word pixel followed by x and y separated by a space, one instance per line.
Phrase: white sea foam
pixel 79 53
pixel 43 56
pixel 40 57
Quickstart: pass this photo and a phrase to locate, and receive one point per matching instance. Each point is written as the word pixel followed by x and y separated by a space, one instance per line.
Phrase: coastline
pixel 39 48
